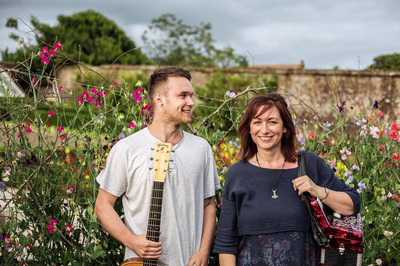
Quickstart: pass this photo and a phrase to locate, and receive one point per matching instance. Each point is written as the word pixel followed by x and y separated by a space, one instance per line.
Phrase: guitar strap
pixel 321 239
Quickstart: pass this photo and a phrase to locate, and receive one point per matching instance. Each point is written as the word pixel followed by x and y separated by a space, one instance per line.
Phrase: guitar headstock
pixel 162 152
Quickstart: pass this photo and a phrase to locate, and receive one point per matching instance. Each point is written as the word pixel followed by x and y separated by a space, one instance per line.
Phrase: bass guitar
pixel 162 152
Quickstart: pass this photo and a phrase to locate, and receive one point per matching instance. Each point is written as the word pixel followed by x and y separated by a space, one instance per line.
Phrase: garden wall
pixel 308 90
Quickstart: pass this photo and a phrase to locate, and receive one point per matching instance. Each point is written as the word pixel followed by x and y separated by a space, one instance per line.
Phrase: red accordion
pixel 344 235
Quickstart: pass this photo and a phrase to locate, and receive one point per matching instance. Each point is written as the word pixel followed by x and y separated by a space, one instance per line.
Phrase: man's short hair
pixel 160 77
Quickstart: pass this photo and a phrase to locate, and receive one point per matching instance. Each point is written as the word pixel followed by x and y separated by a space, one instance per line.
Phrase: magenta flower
pixel 50 228
pixel 45 50
pixel 68 228
pixel 63 136
pixel 104 94
pixel 47 124
pixel 35 82
pixel 60 129
pixel 85 94
pixel 116 84
pixel 51 114
pixel 53 222
pixel 45 59
pixel 57 46
pixel 136 95
pixel 131 125
pixel 60 89
pixel 94 92
pixel 52 53
pixel 80 100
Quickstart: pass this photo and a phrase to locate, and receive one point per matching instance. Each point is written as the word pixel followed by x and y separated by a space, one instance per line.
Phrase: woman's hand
pixel 305 184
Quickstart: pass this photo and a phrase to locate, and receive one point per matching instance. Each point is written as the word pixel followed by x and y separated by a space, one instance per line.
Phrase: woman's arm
pixel 227 260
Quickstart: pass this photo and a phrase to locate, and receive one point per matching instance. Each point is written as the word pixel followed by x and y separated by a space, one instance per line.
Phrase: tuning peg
pixel 171 160
pixel 152 149
pixel 170 170
pixel 150 168
pixel 151 158
pixel 172 151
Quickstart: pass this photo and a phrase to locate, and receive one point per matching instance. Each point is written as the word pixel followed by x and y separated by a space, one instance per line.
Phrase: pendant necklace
pixel 274 189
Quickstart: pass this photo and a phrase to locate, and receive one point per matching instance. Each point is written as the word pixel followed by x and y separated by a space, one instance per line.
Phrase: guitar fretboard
pixel 153 226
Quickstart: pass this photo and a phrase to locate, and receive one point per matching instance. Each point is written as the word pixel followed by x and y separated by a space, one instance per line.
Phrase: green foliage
pixel 177 43
pixel 88 37
pixel 387 62
pixel 214 93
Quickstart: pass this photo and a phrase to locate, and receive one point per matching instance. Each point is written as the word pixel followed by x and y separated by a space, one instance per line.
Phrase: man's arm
pixel 113 224
pixel 201 257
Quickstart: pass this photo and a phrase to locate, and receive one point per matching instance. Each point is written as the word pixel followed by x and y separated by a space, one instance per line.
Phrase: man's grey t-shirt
pixel 192 178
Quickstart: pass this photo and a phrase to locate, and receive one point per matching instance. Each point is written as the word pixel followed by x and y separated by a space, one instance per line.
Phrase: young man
pixel 188 211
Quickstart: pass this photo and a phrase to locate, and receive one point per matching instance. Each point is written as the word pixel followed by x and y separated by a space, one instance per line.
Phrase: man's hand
pixel 144 248
pixel 199 259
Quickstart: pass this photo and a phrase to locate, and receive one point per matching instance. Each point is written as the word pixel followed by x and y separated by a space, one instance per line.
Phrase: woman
pixel 263 220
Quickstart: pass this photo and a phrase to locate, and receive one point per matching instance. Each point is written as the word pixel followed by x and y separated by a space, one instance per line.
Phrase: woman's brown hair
pixel 267 101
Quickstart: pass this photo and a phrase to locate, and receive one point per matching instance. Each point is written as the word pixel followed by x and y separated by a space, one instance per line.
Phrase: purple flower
pixel 231 94
pixel 121 135
pixel 327 125
pixel 376 105
pixel 287 103
pixel 383 198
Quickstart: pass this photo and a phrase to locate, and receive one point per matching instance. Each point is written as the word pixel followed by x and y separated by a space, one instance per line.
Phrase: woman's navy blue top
pixel 248 208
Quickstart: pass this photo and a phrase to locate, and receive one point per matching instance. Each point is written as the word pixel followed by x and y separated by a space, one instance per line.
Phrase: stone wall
pixel 310 92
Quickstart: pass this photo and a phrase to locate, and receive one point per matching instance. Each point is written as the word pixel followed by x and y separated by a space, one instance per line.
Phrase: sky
pixel 324 34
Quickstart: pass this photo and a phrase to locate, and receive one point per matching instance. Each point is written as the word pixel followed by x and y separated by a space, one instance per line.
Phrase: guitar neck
pixel 154 222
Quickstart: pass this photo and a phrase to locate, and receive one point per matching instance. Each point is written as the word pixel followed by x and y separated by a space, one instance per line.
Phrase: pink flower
pixel 50 228
pixel 47 124
pixel 63 136
pixel 80 100
pixel 380 113
pixel 60 89
pixel 104 94
pixel 45 50
pixel 28 246
pixel 52 53
pixel 136 95
pixel 60 128
pixel 53 222
pixel 19 136
pixel 379 261
pixel 116 84
pixel 57 46
pixel 68 228
pixel 51 114
pixel 131 125
pixel 94 92
pixel 45 59
pixel 85 94
pixel 35 82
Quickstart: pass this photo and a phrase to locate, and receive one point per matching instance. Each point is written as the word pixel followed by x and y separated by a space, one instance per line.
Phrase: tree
pixel 87 37
pixel 177 43
pixel 387 62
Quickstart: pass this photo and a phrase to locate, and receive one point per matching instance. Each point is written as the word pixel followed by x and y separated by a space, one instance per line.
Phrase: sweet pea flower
pixel 45 59
pixel 52 53
pixel 131 125
pixel 379 261
pixel 231 94
pixel 68 228
pixel 51 114
pixel 287 102
pixel 60 88
pixel 35 82
pixel 80 100
pixel 60 129
pixel 374 131
pixel 63 136
pixel 57 46
pixel 104 94
pixel 327 125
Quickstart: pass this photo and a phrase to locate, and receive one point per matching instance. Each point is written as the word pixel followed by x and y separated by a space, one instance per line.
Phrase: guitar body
pixel 162 152
pixel 133 262
pixel 139 262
